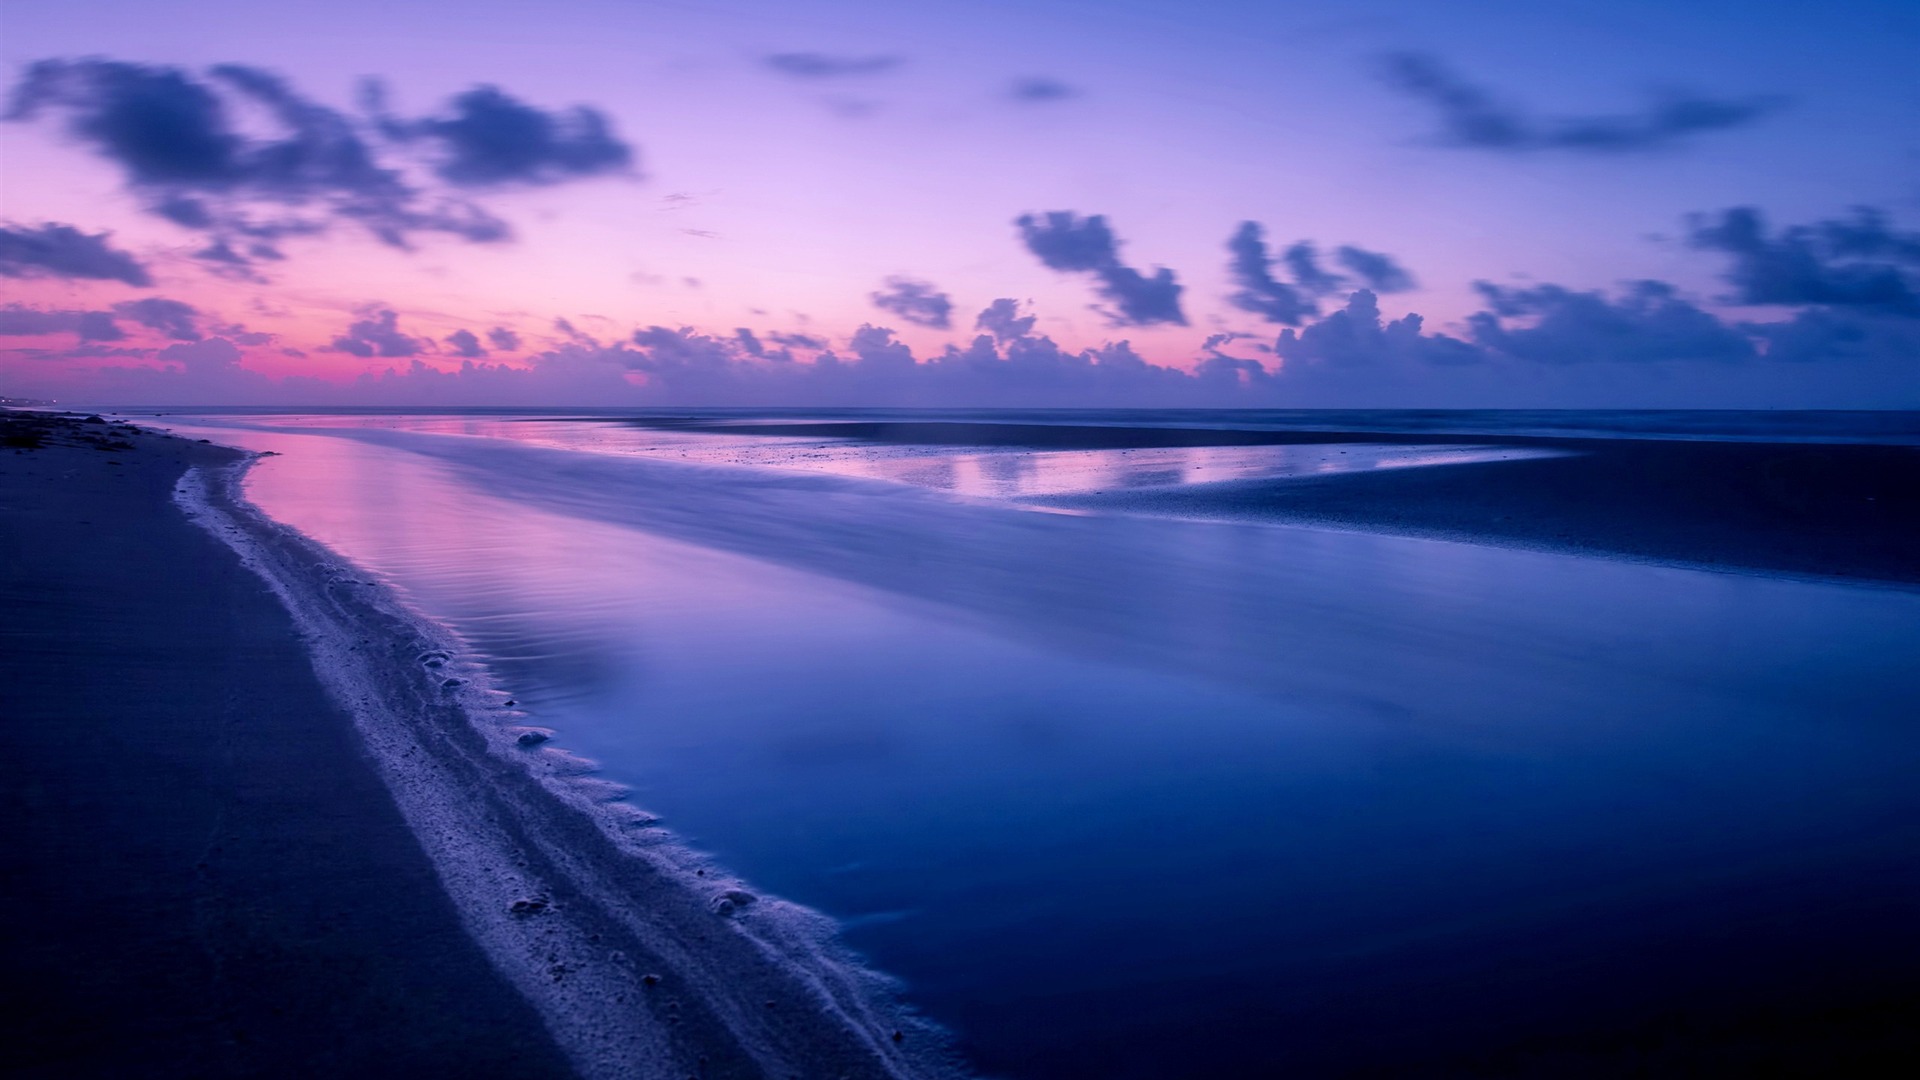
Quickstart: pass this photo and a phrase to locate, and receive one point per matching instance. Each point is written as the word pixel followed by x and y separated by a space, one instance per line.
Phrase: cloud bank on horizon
pixel 228 269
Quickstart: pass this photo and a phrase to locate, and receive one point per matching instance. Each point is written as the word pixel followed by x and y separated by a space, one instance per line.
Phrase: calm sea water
pixel 1131 797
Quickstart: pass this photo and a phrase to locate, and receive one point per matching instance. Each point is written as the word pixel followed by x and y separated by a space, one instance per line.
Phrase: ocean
pixel 1126 795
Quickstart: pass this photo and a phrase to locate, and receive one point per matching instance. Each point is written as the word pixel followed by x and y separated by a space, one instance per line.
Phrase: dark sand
pixel 1837 510
pixel 203 876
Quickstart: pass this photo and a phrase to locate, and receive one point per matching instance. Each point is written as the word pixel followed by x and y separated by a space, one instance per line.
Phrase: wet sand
pixel 203 875
pixel 1827 510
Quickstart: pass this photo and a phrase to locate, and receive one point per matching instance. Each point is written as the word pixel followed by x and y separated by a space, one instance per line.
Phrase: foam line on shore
pixel 643 959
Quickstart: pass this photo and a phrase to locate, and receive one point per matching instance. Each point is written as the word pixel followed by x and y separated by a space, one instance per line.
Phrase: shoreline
pixel 204 877
pixel 643 959
pixel 638 957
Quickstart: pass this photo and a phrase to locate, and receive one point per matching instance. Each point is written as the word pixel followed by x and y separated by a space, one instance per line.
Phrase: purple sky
pixel 865 203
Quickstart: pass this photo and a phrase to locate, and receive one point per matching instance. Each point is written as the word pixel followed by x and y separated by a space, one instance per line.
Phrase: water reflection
pixel 1125 797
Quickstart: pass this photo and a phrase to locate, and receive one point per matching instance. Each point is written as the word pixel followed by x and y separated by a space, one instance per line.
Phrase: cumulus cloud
pixel 1358 336
pixel 813 65
pixel 174 318
pixel 17 320
pixel 1303 262
pixel 1039 90
pixel 181 143
pixel 918 302
pixel 377 333
pixel 1859 262
pixel 1649 322
pixel 489 138
pixel 1375 270
pixel 1003 320
pixel 1067 242
pixel 466 343
pixel 62 251
pixel 213 354
pixel 1260 291
pixel 1825 336
pixel 1472 117
pixel 503 339
pixel 797 341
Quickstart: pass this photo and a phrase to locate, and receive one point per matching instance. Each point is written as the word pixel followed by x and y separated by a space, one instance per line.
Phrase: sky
pixel 1050 202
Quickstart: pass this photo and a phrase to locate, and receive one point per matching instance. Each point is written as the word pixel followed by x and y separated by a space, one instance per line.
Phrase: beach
pixel 1116 792
pixel 263 845
pixel 204 875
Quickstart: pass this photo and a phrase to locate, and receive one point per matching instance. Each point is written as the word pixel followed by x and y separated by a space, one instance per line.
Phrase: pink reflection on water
pixel 993 472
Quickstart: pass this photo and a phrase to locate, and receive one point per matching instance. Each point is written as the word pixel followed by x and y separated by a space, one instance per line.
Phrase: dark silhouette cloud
pixel 503 339
pixel 466 344
pixel 1357 336
pixel 797 341
pixel 1039 90
pixel 1064 241
pixel 813 65
pixel 19 321
pixel 1858 262
pixel 1650 322
pixel 748 342
pixel 490 138
pixel 1303 262
pixel 202 357
pixel 62 251
pixel 1472 117
pixel 1376 271
pixel 1259 291
pixel 181 142
pixel 1822 335
pixel 1291 303
pixel 918 302
pixel 1003 320
pixel 177 320
pixel 377 333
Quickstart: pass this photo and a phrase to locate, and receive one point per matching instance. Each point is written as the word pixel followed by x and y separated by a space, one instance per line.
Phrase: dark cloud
pixel 1290 303
pixel 212 355
pixel 1003 320
pixel 1357 336
pixel 1259 291
pixel 177 320
pixel 813 65
pixel 19 321
pixel 1858 262
pixel 489 138
pixel 797 341
pixel 503 339
pixel 1650 322
pixel 377 333
pixel 1376 271
pixel 1825 336
pixel 296 167
pixel 748 342
pixel 466 344
pixel 1039 90
pixel 918 302
pixel 1471 117
pixel 1303 262
pixel 62 251
pixel 1066 242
